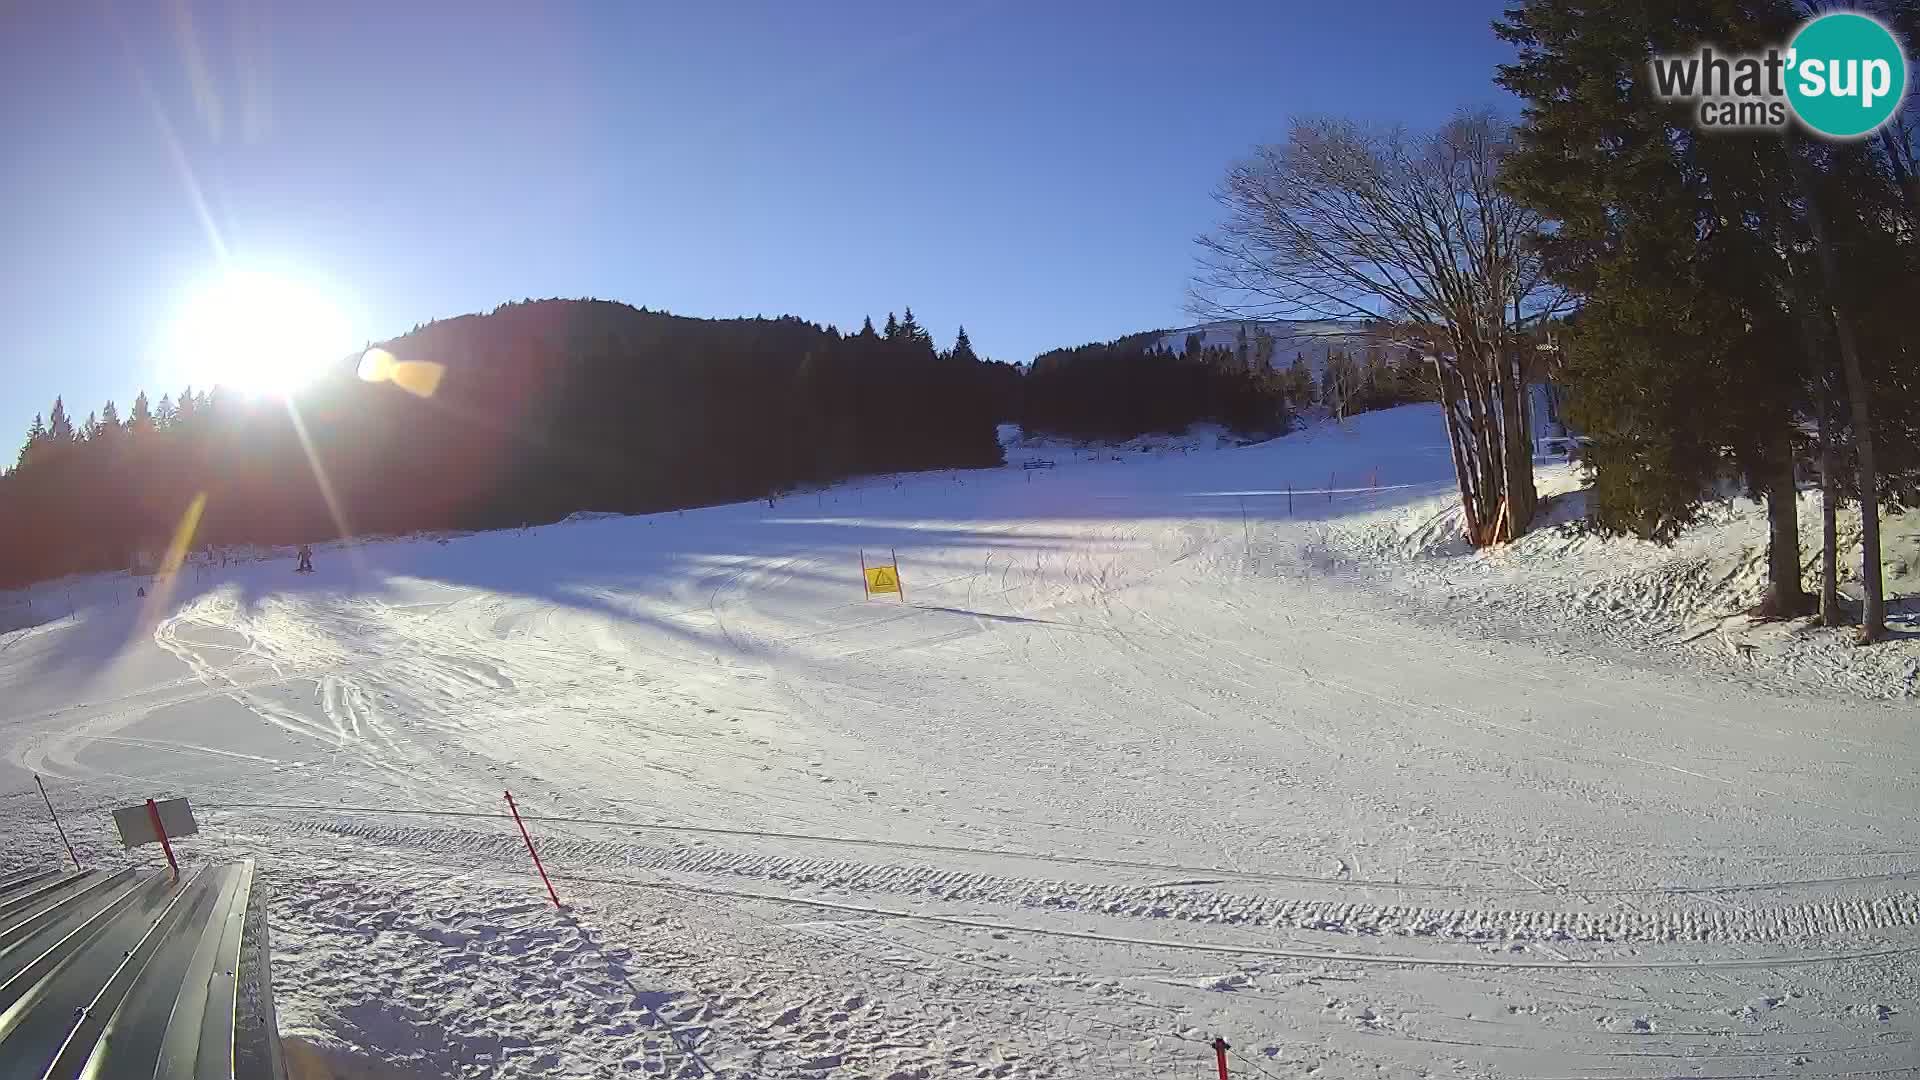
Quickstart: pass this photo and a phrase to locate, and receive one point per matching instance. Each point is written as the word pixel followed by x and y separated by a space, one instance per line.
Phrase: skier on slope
pixel 306 560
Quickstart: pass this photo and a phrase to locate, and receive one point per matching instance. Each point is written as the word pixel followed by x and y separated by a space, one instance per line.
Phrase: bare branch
pixel 1346 222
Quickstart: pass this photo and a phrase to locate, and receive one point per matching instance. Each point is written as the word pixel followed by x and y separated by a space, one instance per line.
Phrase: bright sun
pixel 258 332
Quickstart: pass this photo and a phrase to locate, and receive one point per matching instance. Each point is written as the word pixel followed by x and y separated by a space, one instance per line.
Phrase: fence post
pixel 555 897
pixel 56 821
pixel 1220 1049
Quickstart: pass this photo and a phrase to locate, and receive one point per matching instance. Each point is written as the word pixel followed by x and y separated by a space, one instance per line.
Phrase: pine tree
pixel 963 348
pixel 1685 367
pixel 163 414
pixel 912 331
pixel 892 332
pixel 184 409
pixel 36 438
pixel 59 428
pixel 91 429
pixel 866 327
pixel 110 417
pixel 140 420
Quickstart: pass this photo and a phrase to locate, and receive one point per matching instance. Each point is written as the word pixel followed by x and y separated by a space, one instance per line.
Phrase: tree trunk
pixel 1450 404
pixel 1830 613
pixel 1873 608
pixel 1819 381
pixel 1517 444
pixel 1476 370
pixel 1785 598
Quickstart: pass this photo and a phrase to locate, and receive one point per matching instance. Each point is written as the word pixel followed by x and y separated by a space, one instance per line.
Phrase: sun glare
pixel 258 332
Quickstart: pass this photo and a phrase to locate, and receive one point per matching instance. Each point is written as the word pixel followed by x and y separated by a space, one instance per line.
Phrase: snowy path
pixel 1123 773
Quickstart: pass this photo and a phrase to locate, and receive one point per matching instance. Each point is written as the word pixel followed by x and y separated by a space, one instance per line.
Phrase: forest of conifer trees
pixel 545 408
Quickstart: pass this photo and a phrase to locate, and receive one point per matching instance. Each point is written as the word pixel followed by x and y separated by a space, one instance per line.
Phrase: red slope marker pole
pixel 555 897
pixel 160 830
pixel 1220 1049
pixel 56 821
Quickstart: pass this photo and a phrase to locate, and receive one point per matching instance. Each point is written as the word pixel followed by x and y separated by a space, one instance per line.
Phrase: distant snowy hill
pixel 1314 339
pixel 1311 339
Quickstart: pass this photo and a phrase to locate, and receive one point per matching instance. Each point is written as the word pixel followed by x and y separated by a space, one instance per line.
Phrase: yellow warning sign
pixel 882 579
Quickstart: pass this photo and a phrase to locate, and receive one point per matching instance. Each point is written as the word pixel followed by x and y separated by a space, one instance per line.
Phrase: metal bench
pixel 125 973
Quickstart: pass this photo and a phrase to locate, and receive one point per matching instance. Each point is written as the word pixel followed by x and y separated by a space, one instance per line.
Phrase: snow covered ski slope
pixel 1140 760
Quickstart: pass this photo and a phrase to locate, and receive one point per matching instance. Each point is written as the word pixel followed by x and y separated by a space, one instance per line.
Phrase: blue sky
pixel 1034 170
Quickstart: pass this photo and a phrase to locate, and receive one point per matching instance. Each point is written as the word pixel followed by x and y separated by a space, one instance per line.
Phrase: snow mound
pixel 1567 575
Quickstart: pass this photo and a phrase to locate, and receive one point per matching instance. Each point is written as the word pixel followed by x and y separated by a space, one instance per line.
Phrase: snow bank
pixel 1565 576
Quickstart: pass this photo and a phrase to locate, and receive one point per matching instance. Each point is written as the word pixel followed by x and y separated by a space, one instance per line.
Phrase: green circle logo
pixel 1846 75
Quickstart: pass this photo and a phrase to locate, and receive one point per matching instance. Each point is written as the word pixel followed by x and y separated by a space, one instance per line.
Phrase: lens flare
pixel 421 378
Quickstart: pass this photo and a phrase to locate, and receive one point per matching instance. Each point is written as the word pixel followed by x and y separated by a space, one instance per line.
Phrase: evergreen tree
pixel 91 429
pixel 110 417
pixel 1130 387
pixel 892 332
pixel 1697 348
pixel 163 414
pixel 140 420
pixel 36 438
pixel 184 409
pixel 912 331
pixel 963 349
pixel 59 428
pixel 866 327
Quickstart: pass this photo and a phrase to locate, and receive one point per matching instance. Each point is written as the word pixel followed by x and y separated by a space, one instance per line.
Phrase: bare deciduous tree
pixel 1347 222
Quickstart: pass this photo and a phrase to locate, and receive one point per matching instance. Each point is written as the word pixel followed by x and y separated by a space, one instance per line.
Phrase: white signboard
pixel 136 824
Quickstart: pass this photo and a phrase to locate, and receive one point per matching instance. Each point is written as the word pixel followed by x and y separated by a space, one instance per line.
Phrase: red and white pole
pixel 160 830
pixel 555 897
pixel 1220 1049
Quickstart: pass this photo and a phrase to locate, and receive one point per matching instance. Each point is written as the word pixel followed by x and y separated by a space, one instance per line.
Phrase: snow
pixel 1021 446
pixel 1139 760
pixel 1309 339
